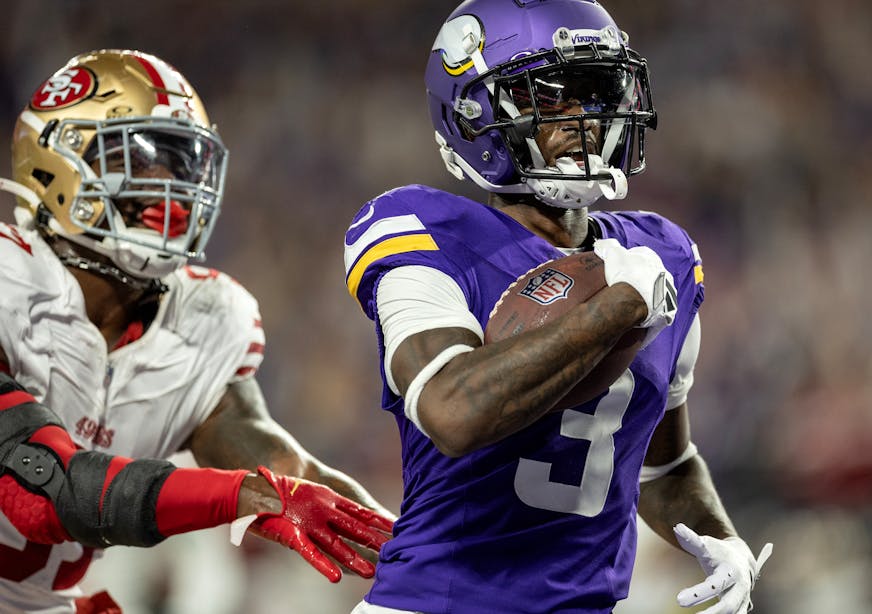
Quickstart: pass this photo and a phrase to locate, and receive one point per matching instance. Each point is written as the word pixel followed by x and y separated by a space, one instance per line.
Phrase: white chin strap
pixel 574 193
pixel 132 257
pixel 563 193
pixel 137 260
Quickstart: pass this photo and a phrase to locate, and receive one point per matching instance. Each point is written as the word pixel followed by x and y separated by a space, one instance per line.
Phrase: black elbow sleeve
pixel 127 515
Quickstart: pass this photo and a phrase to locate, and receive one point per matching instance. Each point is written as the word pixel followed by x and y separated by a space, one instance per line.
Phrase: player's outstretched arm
pixel 314 520
pixel 53 492
pixel 241 433
pixel 680 503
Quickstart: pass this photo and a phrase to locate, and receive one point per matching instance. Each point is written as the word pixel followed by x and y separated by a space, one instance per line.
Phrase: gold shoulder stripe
pixel 697 274
pixel 388 247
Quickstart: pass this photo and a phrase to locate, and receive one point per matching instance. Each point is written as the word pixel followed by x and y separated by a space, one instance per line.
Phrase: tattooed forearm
pixel 486 395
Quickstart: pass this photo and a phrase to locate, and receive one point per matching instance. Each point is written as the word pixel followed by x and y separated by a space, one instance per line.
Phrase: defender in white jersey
pixel 112 348
pixel 543 104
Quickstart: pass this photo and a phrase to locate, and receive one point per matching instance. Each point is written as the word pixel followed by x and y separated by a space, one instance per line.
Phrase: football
pixel 549 291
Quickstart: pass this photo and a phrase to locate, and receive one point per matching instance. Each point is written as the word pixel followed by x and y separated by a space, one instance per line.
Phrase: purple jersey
pixel 545 520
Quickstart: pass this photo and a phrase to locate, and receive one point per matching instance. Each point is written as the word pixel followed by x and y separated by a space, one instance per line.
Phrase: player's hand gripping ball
pixel 548 292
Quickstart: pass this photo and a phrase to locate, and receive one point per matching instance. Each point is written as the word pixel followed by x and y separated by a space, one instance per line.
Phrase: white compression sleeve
pixel 424 376
pixel 412 299
pixel 650 473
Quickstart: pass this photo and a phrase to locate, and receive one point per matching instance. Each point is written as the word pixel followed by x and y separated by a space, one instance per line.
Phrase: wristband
pixel 193 499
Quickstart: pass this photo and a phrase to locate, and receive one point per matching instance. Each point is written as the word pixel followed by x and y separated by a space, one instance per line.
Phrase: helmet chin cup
pixel 134 259
pixel 562 193
pixel 576 193
pixel 146 262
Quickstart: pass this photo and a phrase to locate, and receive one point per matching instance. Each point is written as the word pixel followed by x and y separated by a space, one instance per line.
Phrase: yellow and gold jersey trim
pixel 388 247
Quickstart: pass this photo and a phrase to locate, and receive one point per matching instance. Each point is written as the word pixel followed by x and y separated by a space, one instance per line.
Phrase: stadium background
pixel 764 153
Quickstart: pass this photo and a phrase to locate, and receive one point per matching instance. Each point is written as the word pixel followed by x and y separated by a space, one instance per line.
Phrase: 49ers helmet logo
pixel 63 89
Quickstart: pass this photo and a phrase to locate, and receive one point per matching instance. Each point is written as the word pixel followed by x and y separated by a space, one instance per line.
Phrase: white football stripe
pixel 33 122
pixel 380 229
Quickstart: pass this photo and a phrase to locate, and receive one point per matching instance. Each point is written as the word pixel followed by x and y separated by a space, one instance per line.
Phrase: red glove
pixel 314 520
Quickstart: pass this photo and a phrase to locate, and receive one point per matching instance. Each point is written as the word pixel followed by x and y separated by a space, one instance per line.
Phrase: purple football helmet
pixel 501 70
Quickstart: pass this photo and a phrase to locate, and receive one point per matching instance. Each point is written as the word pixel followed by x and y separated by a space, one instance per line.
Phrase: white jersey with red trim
pixel 142 400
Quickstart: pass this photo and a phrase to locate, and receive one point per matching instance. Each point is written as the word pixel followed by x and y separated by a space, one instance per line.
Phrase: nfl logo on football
pixel 547 287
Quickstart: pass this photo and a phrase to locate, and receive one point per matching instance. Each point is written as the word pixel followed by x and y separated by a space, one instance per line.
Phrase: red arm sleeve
pixel 33 514
pixel 193 499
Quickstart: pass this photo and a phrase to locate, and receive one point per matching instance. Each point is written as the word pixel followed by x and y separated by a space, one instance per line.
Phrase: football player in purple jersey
pixel 514 502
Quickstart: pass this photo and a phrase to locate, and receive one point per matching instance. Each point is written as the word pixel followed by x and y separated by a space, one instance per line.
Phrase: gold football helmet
pixel 118 150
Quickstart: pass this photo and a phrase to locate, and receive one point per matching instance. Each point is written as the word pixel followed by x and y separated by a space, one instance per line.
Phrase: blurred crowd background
pixel 763 153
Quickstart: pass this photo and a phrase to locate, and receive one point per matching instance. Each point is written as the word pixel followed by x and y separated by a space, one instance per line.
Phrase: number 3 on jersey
pixel 533 483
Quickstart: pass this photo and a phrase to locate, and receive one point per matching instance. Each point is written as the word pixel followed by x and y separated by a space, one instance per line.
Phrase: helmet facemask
pixel 597 103
pixel 593 103
pixel 117 164
pixel 150 192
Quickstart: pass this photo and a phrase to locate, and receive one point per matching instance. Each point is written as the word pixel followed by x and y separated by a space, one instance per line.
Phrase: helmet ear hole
pixel 43 177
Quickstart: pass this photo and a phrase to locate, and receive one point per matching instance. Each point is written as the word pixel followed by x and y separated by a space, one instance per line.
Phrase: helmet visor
pixel 144 153
pixel 601 103
pixel 564 90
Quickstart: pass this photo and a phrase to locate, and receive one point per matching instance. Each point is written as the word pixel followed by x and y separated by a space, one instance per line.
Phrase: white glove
pixel 642 268
pixel 731 569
